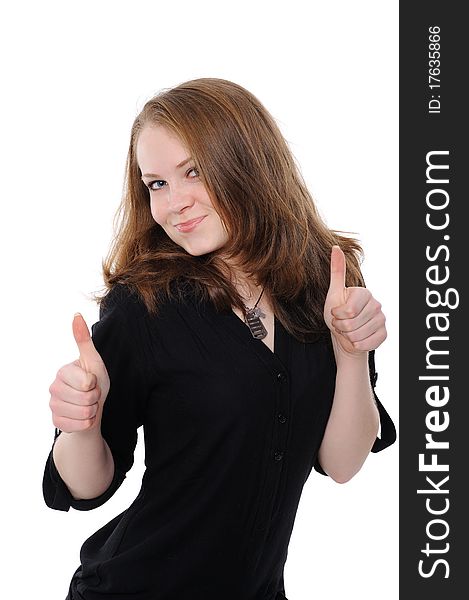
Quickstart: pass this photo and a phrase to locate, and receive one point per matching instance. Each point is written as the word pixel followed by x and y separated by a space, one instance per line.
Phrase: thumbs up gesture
pixel 353 316
pixel 80 388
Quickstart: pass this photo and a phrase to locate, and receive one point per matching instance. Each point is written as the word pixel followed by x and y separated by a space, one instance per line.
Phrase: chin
pixel 198 251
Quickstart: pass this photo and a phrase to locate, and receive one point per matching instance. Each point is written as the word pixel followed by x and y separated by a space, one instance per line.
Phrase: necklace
pixel 253 321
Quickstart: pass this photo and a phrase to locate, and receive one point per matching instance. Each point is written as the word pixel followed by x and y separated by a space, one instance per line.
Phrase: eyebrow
pixel 181 164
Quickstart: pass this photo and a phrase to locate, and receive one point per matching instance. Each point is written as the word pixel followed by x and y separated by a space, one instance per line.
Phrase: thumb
pixel 338 269
pixel 89 356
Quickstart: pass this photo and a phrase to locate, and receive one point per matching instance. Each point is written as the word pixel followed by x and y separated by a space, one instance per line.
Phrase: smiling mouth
pixel 189 225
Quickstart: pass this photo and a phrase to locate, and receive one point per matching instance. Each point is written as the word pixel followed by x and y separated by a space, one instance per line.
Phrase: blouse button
pixel 281 377
pixel 278 455
pixel 282 418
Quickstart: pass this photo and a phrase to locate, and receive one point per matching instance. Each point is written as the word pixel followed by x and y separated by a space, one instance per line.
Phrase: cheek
pixel 157 213
pixel 222 231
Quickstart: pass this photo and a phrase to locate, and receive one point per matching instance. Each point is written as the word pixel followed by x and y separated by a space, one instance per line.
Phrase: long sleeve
pixel 118 338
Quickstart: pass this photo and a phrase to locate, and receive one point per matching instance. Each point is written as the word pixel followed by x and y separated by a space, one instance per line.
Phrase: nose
pixel 179 198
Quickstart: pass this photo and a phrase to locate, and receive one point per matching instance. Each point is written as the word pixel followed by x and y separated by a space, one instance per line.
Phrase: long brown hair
pixel 276 234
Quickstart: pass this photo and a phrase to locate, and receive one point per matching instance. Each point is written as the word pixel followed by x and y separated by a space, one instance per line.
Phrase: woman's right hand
pixel 80 388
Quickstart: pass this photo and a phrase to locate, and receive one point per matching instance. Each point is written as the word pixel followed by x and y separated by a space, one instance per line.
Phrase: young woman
pixel 237 330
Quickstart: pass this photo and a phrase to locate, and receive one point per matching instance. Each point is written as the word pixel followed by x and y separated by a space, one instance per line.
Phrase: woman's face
pixel 178 198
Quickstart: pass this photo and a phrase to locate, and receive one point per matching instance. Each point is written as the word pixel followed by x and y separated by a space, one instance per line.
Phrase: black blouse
pixel 231 431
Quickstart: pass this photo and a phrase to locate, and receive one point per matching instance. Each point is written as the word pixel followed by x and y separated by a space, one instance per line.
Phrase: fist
pixel 353 316
pixel 80 388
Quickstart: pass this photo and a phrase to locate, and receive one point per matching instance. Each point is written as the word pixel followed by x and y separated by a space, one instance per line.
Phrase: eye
pixel 193 172
pixel 156 185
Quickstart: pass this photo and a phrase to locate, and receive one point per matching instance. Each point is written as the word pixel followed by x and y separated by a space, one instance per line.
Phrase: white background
pixel 74 77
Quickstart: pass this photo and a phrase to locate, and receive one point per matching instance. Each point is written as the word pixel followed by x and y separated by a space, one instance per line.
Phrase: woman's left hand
pixel 353 316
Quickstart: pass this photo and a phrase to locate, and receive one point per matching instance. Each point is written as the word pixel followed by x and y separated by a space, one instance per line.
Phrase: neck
pixel 247 289
pixel 246 285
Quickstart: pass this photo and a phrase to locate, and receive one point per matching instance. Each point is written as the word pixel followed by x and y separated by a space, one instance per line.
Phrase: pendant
pixel 254 323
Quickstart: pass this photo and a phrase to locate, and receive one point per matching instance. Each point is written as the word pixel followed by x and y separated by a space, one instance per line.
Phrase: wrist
pixel 342 357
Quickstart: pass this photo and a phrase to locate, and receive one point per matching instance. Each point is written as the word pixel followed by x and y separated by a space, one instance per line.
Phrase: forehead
pixel 157 146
